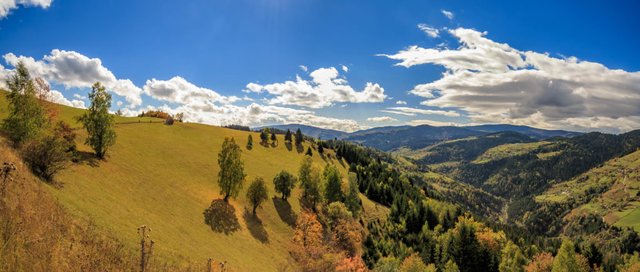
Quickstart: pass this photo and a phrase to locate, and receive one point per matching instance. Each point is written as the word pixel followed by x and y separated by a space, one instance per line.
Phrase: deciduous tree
pixel 333 184
pixel 257 193
pixel 231 175
pixel 284 182
pixel 98 122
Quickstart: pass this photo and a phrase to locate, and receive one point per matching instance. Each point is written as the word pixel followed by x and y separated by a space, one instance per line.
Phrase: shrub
pixel 46 155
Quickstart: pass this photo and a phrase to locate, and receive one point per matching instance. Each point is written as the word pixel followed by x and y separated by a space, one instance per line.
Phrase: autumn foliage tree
pixel 542 262
pixel 231 174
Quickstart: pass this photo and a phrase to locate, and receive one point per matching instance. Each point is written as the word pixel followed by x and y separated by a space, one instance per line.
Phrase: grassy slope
pixel 165 177
pixel 507 150
pixel 618 180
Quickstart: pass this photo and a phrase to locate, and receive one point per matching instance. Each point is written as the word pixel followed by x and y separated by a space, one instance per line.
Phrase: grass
pixel 165 177
pixel 507 150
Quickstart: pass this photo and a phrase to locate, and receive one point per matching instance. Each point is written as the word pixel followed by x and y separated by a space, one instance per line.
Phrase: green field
pixel 610 191
pixel 507 150
pixel 165 177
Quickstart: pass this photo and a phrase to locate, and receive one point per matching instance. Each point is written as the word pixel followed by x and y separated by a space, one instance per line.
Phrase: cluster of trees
pixel 45 143
pixel 418 233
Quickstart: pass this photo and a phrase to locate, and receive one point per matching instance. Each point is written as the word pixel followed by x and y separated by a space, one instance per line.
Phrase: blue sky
pixel 217 48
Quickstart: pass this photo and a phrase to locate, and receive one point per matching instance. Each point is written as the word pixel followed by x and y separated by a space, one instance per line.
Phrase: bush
pixel 46 155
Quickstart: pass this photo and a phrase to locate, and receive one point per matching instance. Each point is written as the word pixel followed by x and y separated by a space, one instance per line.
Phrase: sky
pixel 345 65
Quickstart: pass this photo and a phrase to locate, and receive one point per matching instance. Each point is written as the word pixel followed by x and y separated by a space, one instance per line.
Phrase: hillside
pixel 165 177
pixel 611 191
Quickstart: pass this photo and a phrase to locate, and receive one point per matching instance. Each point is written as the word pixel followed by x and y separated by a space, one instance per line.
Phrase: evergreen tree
pixel 26 116
pixel 451 266
pixel 299 137
pixel 264 137
pixel 98 122
pixel 565 260
pixel 257 193
pixel 309 152
pixel 320 148
pixel 287 136
pixel 274 139
pixel 284 182
pixel 512 259
pixel 352 200
pixel 249 141
pixel 231 175
pixel 333 184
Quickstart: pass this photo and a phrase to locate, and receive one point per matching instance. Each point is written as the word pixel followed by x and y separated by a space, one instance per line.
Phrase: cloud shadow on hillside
pixel 284 211
pixel 255 226
pixel 221 216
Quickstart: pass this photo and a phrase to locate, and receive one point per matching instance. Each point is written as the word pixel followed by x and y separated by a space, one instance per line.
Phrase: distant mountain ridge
pixel 414 137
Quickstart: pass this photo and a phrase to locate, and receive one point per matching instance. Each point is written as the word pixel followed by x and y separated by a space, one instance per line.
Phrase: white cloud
pixel 496 83
pixel 401 102
pixel 79 96
pixel 303 68
pixel 431 123
pixel 447 14
pixel 57 97
pixel 74 70
pixel 256 115
pixel 179 90
pixel 381 119
pixel 345 68
pixel 431 31
pixel 7 5
pixel 325 88
pixel 413 111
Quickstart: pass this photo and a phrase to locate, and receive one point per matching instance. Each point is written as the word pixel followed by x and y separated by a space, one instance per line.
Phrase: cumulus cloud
pixel 255 114
pixel 381 119
pixel 408 111
pixel 57 97
pixel 325 88
pixel 179 90
pixel 401 102
pixel 496 83
pixel 303 68
pixel 430 31
pixel 447 14
pixel 7 5
pixel 74 70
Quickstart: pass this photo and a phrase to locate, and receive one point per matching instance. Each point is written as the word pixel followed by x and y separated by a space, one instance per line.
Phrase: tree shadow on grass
pixel 284 211
pixel 288 145
pixel 84 157
pixel 299 148
pixel 255 226
pixel 221 216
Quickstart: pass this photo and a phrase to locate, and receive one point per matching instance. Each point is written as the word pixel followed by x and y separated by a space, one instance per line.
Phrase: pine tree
pixel 320 147
pixel 264 137
pixel 274 139
pixel 98 122
pixel 249 142
pixel 299 137
pixel 26 116
pixel 287 136
pixel 231 175
pixel 257 193
pixel 309 152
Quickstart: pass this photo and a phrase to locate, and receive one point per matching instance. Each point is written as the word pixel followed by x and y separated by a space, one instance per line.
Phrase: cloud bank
pixel 496 83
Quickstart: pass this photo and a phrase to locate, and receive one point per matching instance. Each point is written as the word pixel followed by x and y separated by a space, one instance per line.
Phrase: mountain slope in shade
pixel 532 132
